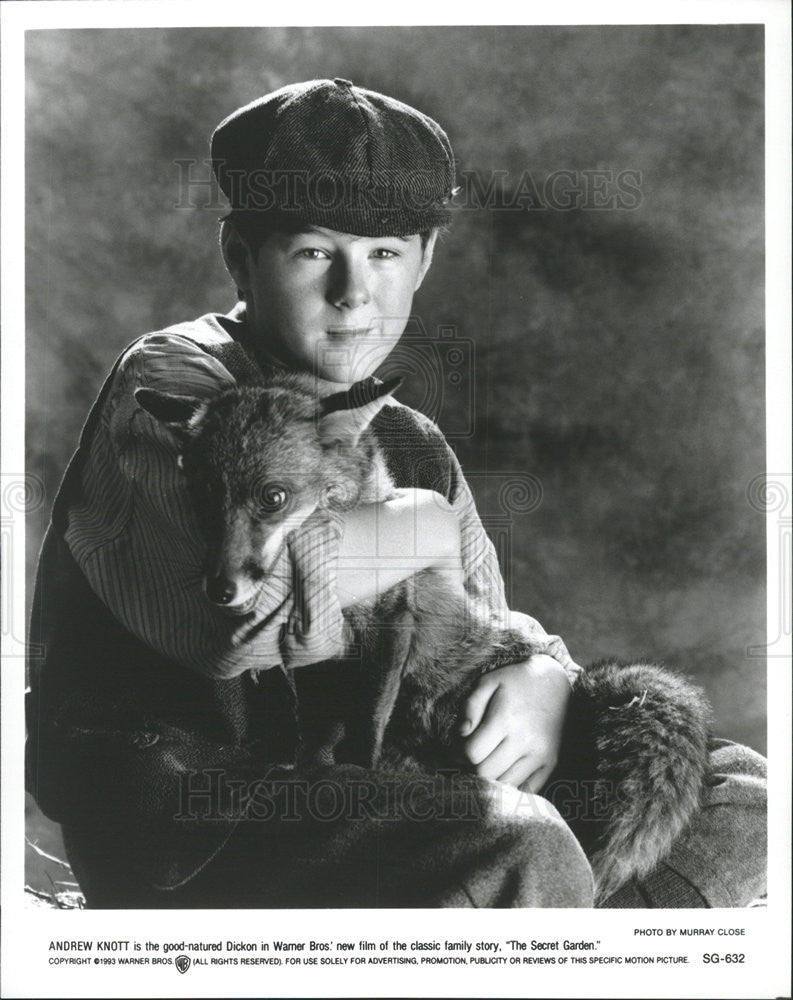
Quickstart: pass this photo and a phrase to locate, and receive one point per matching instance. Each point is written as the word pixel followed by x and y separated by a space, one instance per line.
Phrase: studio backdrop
pixel 590 337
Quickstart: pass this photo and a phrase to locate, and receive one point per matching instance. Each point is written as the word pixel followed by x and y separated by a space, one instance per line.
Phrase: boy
pixel 163 733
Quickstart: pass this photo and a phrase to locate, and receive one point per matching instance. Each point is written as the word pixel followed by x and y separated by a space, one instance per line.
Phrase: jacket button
pixel 341 82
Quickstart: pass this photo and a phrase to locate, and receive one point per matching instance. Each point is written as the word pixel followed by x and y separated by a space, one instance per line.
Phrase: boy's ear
pixel 235 255
pixel 344 416
pixel 181 414
pixel 427 258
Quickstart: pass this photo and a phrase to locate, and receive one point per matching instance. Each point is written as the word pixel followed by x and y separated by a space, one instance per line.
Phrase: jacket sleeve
pixel 483 579
pixel 135 538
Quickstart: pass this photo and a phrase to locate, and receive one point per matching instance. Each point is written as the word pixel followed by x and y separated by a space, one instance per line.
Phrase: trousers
pixel 343 836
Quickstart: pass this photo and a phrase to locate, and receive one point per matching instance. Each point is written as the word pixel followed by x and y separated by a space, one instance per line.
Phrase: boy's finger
pixel 490 731
pixel 502 759
pixel 520 771
pixel 537 779
pixel 475 706
pixel 490 765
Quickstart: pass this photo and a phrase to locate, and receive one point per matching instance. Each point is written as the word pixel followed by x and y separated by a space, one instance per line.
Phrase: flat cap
pixel 336 156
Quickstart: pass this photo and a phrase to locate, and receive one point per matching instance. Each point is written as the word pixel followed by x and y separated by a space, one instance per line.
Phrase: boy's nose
pixel 349 288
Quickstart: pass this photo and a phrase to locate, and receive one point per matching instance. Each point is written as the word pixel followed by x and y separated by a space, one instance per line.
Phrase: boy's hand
pixel 512 723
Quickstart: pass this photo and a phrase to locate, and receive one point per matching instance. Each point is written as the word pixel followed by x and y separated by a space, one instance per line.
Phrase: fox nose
pixel 220 590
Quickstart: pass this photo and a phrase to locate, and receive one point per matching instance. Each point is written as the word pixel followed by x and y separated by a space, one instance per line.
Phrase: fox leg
pixel 391 662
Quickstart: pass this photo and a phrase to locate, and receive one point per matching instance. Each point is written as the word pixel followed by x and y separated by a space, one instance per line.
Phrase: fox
pixel 257 461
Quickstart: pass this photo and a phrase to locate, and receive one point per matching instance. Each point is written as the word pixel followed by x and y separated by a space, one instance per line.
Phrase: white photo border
pixel 26 933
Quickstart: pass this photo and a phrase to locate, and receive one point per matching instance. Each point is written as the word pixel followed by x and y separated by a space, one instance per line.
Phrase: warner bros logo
pixel 182 963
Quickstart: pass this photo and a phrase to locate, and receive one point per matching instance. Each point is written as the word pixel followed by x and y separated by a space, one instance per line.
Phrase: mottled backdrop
pixel 602 334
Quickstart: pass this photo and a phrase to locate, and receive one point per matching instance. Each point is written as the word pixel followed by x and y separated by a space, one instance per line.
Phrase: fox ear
pixel 344 416
pixel 181 414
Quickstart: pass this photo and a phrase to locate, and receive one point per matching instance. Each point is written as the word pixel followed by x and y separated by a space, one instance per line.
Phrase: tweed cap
pixel 336 156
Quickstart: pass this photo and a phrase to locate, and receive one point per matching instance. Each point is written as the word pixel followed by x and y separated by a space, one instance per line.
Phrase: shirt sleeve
pixel 134 535
pixel 484 582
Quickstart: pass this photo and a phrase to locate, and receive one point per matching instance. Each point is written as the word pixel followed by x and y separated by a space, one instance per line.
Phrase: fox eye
pixel 272 498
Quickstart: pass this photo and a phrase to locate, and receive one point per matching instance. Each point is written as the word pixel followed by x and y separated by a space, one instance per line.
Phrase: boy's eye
pixel 311 253
pixel 383 253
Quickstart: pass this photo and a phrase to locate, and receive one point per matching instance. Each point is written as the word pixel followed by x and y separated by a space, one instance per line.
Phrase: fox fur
pixel 634 752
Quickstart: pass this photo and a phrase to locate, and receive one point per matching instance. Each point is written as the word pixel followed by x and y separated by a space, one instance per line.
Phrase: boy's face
pixel 331 303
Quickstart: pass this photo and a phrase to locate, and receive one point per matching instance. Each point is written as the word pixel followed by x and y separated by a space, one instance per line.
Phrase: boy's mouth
pixel 345 332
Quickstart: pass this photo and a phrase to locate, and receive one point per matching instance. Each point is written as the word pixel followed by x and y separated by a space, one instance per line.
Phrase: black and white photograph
pixel 398 514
